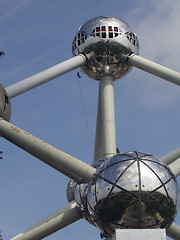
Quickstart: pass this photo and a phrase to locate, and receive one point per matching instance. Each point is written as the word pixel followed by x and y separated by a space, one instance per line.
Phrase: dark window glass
pixel 103 28
pixel 99 59
pixel 110 35
pixel 98 29
pixel 115 29
pixel 110 28
pixel 103 35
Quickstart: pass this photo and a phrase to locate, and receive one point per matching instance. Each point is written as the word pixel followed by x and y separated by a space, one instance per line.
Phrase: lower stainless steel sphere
pixel 133 190
pixel 106 39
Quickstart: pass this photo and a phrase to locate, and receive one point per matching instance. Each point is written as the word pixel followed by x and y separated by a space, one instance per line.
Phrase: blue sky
pixel 38 34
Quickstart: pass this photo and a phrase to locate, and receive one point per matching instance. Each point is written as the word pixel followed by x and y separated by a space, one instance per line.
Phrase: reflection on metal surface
pixel 107 39
pixel 130 190
pixel 78 192
pixel 133 190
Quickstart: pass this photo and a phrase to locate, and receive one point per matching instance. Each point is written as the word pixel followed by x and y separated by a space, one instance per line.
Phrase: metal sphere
pixel 5 105
pixel 107 39
pixel 133 190
pixel 78 192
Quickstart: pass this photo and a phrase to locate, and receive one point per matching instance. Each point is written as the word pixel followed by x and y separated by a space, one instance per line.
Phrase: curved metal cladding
pixel 5 105
pixel 78 192
pixel 133 190
pixel 107 39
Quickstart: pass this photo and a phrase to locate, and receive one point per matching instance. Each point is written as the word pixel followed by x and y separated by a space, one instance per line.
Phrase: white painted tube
pixel 154 68
pixel 171 157
pixel 174 231
pixel 108 117
pixel 46 75
pixel 175 167
pixel 51 224
pixel 59 160
pixel 98 148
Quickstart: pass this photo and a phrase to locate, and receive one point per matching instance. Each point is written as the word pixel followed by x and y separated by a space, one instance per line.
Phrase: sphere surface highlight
pixel 107 39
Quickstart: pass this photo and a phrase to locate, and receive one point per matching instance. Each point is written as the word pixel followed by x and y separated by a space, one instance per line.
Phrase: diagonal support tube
pixel 174 231
pixel 175 167
pixel 61 161
pixel 46 75
pixel 51 224
pixel 171 157
pixel 153 68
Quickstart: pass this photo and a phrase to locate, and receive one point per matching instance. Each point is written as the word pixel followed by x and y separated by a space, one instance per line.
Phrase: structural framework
pixel 128 191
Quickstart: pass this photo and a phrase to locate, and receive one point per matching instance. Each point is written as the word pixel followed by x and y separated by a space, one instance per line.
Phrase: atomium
pixel 131 190
pixel 107 39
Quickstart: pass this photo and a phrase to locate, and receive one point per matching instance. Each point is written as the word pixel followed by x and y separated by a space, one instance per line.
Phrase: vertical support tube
pixel 98 150
pixel 108 116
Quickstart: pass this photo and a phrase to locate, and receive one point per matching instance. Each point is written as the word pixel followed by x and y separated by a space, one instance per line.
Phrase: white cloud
pixel 157 27
pixel 158 31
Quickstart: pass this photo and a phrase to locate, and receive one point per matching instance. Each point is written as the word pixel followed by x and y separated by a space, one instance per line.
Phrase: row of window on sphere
pixel 104 32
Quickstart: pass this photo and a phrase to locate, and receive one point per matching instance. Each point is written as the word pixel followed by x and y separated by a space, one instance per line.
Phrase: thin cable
pixel 83 105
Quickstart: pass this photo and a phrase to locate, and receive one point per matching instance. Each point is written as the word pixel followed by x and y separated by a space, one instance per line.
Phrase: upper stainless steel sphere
pixel 133 190
pixel 107 39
